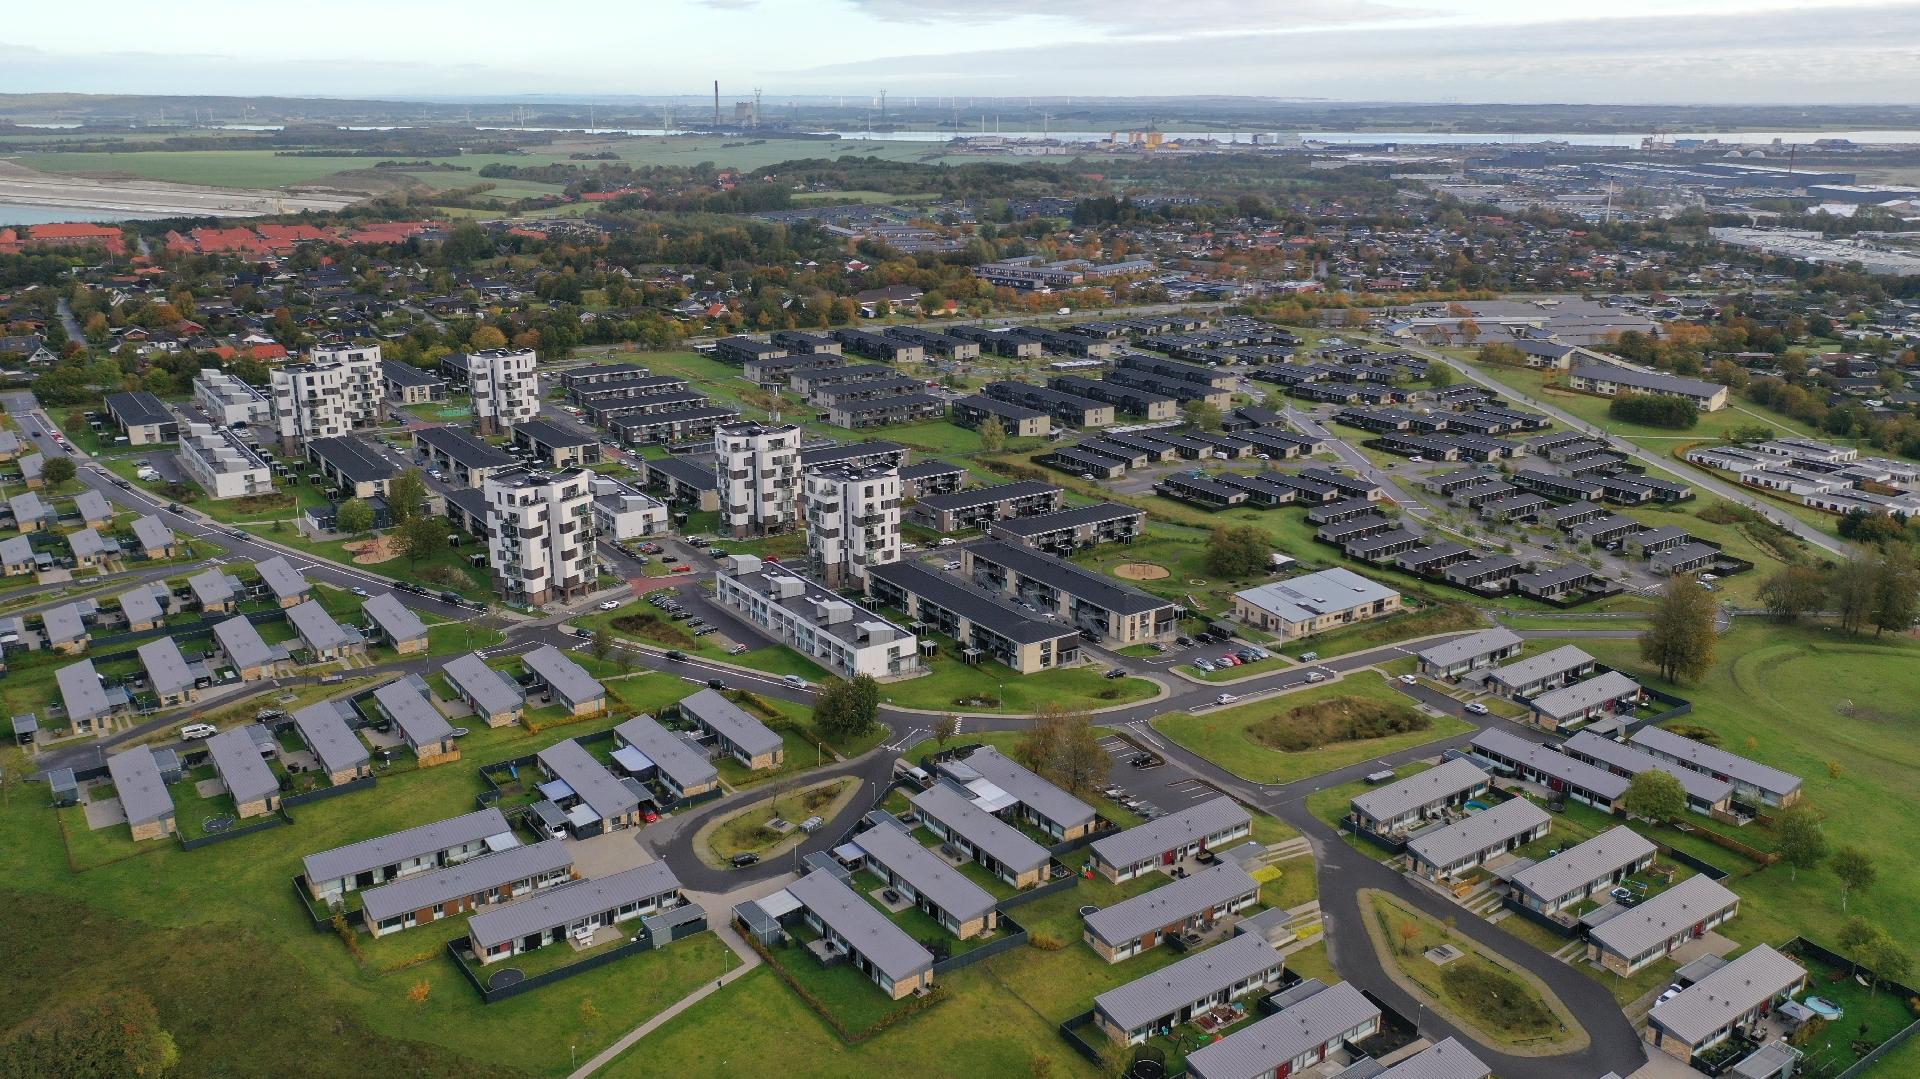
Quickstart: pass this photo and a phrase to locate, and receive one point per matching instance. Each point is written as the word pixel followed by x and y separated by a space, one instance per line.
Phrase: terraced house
pixel 1237 967
pixel 330 874
pixel 942 892
pixel 1145 921
pixel 1209 825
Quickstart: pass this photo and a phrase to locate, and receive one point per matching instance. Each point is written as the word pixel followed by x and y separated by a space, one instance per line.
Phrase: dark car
pixel 1116 673
pixel 175 507
pixel 675 653
pixel 715 683
pixel 741 861
pixel 1183 641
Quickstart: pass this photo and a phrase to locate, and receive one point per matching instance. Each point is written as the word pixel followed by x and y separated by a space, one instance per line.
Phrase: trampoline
pixel 216 825
pixel 503 978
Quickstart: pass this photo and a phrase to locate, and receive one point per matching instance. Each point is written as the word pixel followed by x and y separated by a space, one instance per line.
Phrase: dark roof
pixel 407 374
pixel 982 496
pixel 353 459
pixel 1069 578
pixel 463 448
pixel 1068 518
pixel 138 408
pixel 552 434
pixel 963 599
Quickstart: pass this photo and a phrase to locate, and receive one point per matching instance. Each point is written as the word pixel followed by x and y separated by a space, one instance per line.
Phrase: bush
pixel 1341 719
pixel 1652 410
pixel 1045 942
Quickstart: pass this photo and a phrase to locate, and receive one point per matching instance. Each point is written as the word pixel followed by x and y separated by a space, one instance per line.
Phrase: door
pixel 1167 858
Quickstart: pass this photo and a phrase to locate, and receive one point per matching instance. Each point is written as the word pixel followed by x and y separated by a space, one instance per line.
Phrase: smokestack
pixel 716 104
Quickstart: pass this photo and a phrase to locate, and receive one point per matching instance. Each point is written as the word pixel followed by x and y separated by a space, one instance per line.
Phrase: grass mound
pixel 1496 999
pixel 1339 719
pixel 652 627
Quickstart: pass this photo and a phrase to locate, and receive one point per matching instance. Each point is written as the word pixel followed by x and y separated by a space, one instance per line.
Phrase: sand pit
pixel 1140 571
pixel 377 549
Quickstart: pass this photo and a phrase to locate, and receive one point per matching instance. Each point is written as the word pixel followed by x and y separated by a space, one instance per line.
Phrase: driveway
pixel 609 852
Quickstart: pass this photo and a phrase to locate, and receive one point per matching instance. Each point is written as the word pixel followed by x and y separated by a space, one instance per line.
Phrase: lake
pixel 12 213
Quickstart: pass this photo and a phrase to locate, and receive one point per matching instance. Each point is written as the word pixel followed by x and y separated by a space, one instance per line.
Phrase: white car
pixel 948 541
pixel 610 605
pixel 198 731
pixel 1417 459
pixel 1225 698
pixel 1476 708
pixel 794 680
pixel 953 567
pixel 1409 680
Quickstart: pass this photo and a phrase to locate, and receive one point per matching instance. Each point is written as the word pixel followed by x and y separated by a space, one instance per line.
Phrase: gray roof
pixel 462 448
pixel 1675 910
pixel 316 627
pixel 1664 743
pixel 1038 795
pixel 1718 999
pixel 1170 903
pixel 996 838
pixel 419 721
pixel 81 692
pixel 596 787
pixel 1311 595
pixel 1259 1049
pixel 985 496
pixel 1447 844
pixel 242 643
pixel 1576 867
pixel 1521 672
pixel 1472 646
pixel 1436 784
pixel 15 550
pixel 324 728
pixel 861 925
pixel 284 581
pixel 26 506
pixel 369 854
pixel 961 597
pixel 1550 762
pixel 1613 754
pixel 212 588
pixel 489 689
pixel 1177 829
pixel 85 543
pixel 1646 380
pixel 1073 517
pixel 141 604
pixel 923 871
pixel 63 623
pixel 136 779
pixel 731 722
pixel 1173 987
pixel 568 679
pixel 1076 581
pixel 1580 696
pixel 569 903
pixel 32 464
pixel 393 618
pixel 352 458
pixel 471 877
pixel 668 751
pixel 93 506
pixel 165 665
pixel 236 756
pixel 152 533
pixel 1442 1060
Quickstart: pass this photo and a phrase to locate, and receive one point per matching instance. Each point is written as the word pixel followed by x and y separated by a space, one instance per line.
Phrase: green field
pixel 1226 736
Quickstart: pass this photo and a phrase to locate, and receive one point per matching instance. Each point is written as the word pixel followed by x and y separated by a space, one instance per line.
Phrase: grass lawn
pixel 956 686
pixel 746 832
pixel 447 569
pixel 644 624
pixel 1008 742
pixel 1242 738
pixel 1427 620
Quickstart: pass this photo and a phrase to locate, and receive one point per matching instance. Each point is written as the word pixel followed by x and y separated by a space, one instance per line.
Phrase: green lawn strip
pixel 641 623
pixel 1882 1012
pixel 952 682
pixel 1226 736
pixel 1425 621
pixel 745 831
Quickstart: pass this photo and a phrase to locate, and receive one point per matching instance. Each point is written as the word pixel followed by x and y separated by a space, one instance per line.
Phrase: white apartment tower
pixel 506 392
pixel 542 543
pixel 758 467
pixel 335 391
pixel 853 521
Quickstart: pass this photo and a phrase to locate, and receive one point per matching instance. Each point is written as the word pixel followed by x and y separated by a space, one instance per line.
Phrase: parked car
pixel 948 541
pixel 1183 642
pixel 361 592
pixel 1476 708
pixel 1309 657
pixel 197 731
pixel 1205 665
pixel 610 605
pixel 1409 680
pixel 683 568
pixel 743 860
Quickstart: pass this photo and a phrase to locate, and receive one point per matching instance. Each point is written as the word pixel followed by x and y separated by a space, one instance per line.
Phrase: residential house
pixel 923 879
pixel 567 682
pixel 332 873
pixel 286 584
pixel 1315 1022
pixel 1531 762
pixel 735 733
pixel 1033 799
pixel 1208 825
pixel 242 648
pixel 392 624
pixel 1194 902
pixel 1605 694
pixel 1443 852
pixel 171 678
pixel 215 591
pixel 472 885
pixel 1182 991
pixel 1733 998
pixel 155 538
pixel 873 945
pixel 493 697
pixel 1537 674
pixel 576 910
pixel 142 790
pixel 593 799
pixel 1582 871
pixel 956 816
pixel 1752 781
pixel 664 759
pixel 408 703
pixel 1406 803
pixel 1461 655
pixel 322 637
pixel 326 729
pixel 1083 599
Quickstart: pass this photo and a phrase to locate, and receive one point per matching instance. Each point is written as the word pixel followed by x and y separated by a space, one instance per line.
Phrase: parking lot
pixel 1151 788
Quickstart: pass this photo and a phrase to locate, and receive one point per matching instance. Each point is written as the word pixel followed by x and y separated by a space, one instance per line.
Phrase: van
pixel 1382 776
pixel 913 773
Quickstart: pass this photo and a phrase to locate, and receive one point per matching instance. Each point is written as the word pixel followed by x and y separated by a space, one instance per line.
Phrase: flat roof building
pixel 1309 604
pixel 1406 802
pixel 1145 921
pixel 1208 825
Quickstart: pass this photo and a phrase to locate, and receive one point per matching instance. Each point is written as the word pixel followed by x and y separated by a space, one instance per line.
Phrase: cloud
pixel 1110 18
pixel 730 5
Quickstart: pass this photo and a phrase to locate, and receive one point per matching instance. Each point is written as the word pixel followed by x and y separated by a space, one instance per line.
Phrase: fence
pixel 1052 887
pixel 1539 918
pixel 1391 846
pixel 279 818
pixel 180 631
pixel 1802 946
pixel 1015 938
pixel 1676 707
pixel 494 995
pixel 325 793
pixel 1701 865
pixel 322 914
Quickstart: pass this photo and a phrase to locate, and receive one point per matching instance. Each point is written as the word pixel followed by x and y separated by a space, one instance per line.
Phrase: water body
pixel 12 213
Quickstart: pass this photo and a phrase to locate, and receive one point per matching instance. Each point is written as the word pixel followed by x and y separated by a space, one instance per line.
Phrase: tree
pixel 1889 961
pixel 1896 589
pixel 58 470
pixel 602 644
pixel 1854 585
pixel 1856 935
pixel 98 1037
pixel 1794 591
pixel 842 710
pixel 486 337
pixel 354 517
pixel 1063 746
pixel 1439 376
pixel 1656 796
pixel 1203 414
pixel 1855 869
pixel 1803 843
pixel 1238 551
pixel 944 729
pixel 993 435
pixel 1679 639
pixel 421 537
pixel 1654 410
pixel 406 495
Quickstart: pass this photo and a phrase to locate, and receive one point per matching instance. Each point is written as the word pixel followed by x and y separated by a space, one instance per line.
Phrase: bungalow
pixel 663 758
pixel 480 882
pixel 90 703
pixel 155 538
pixel 1577 873
pixel 65 626
pixel 331 874
pixel 326 730
pixel 1208 825
pixel 952 814
pixel 1431 558
pixel 1705 794
pixel 1451 659
pixel 1548 670
pixel 1406 803
pixel 1752 781
pixel 409 704
pixel 322 637
pixel 142 789
pixel 1734 997
pixel 173 680
pixel 493 697
pixel 288 586
pixel 236 760
pixel 1555 582
pixel 1180 992
pixel 1305 605
pixel 1445 1059
pixel 569 683
pixel 737 734
pixel 556 446
pixel 848 924
pixel 1570 515
pixel 1685 558
pixel 937 889
pixel 1531 762
pixel 1444 852
pixel 578 910
pixel 251 657
pixel 1491 574
pixel 1144 921
pixel 1572 705
pixel 215 591
pixel 390 622
pixel 1633 938
pixel 1605 531
pixel 142 607
pixel 1313 1021
pixel 17 556
pixel 1200 490
pixel 595 802
pixel 32 467
pixel 1033 799
pixel 29 513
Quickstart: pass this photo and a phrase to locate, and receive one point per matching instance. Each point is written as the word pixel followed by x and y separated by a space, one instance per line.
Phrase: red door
pixel 1283 1070
pixel 1166 858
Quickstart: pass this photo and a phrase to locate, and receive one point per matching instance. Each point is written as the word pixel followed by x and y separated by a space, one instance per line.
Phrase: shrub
pixel 1045 942
pixel 1341 719
pixel 1653 410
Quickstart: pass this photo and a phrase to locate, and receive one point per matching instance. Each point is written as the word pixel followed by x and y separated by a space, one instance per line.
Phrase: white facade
pixel 853 521
pixel 758 468
pixel 622 513
pixel 841 636
pixel 505 390
pixel 229 401
pixel 335 391
pixel 542 543
pixel 222 464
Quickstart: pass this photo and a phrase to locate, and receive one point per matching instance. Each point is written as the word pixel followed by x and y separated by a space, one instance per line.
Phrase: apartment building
pixel 1085 600
pixel 229 401
pixel 977 508
pixel 505 389
pixel 334 392
pixel 222 464
pixel 853 521
pixel 758 469
pixel 840 635
pixel 541 542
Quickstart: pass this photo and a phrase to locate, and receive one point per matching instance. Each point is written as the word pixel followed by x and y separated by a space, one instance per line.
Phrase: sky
pixel 1620 51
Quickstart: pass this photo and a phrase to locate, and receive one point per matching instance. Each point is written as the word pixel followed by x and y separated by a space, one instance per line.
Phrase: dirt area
pixel 373 551
pixel 105 813
pixel 1140 571
pixel 20 184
